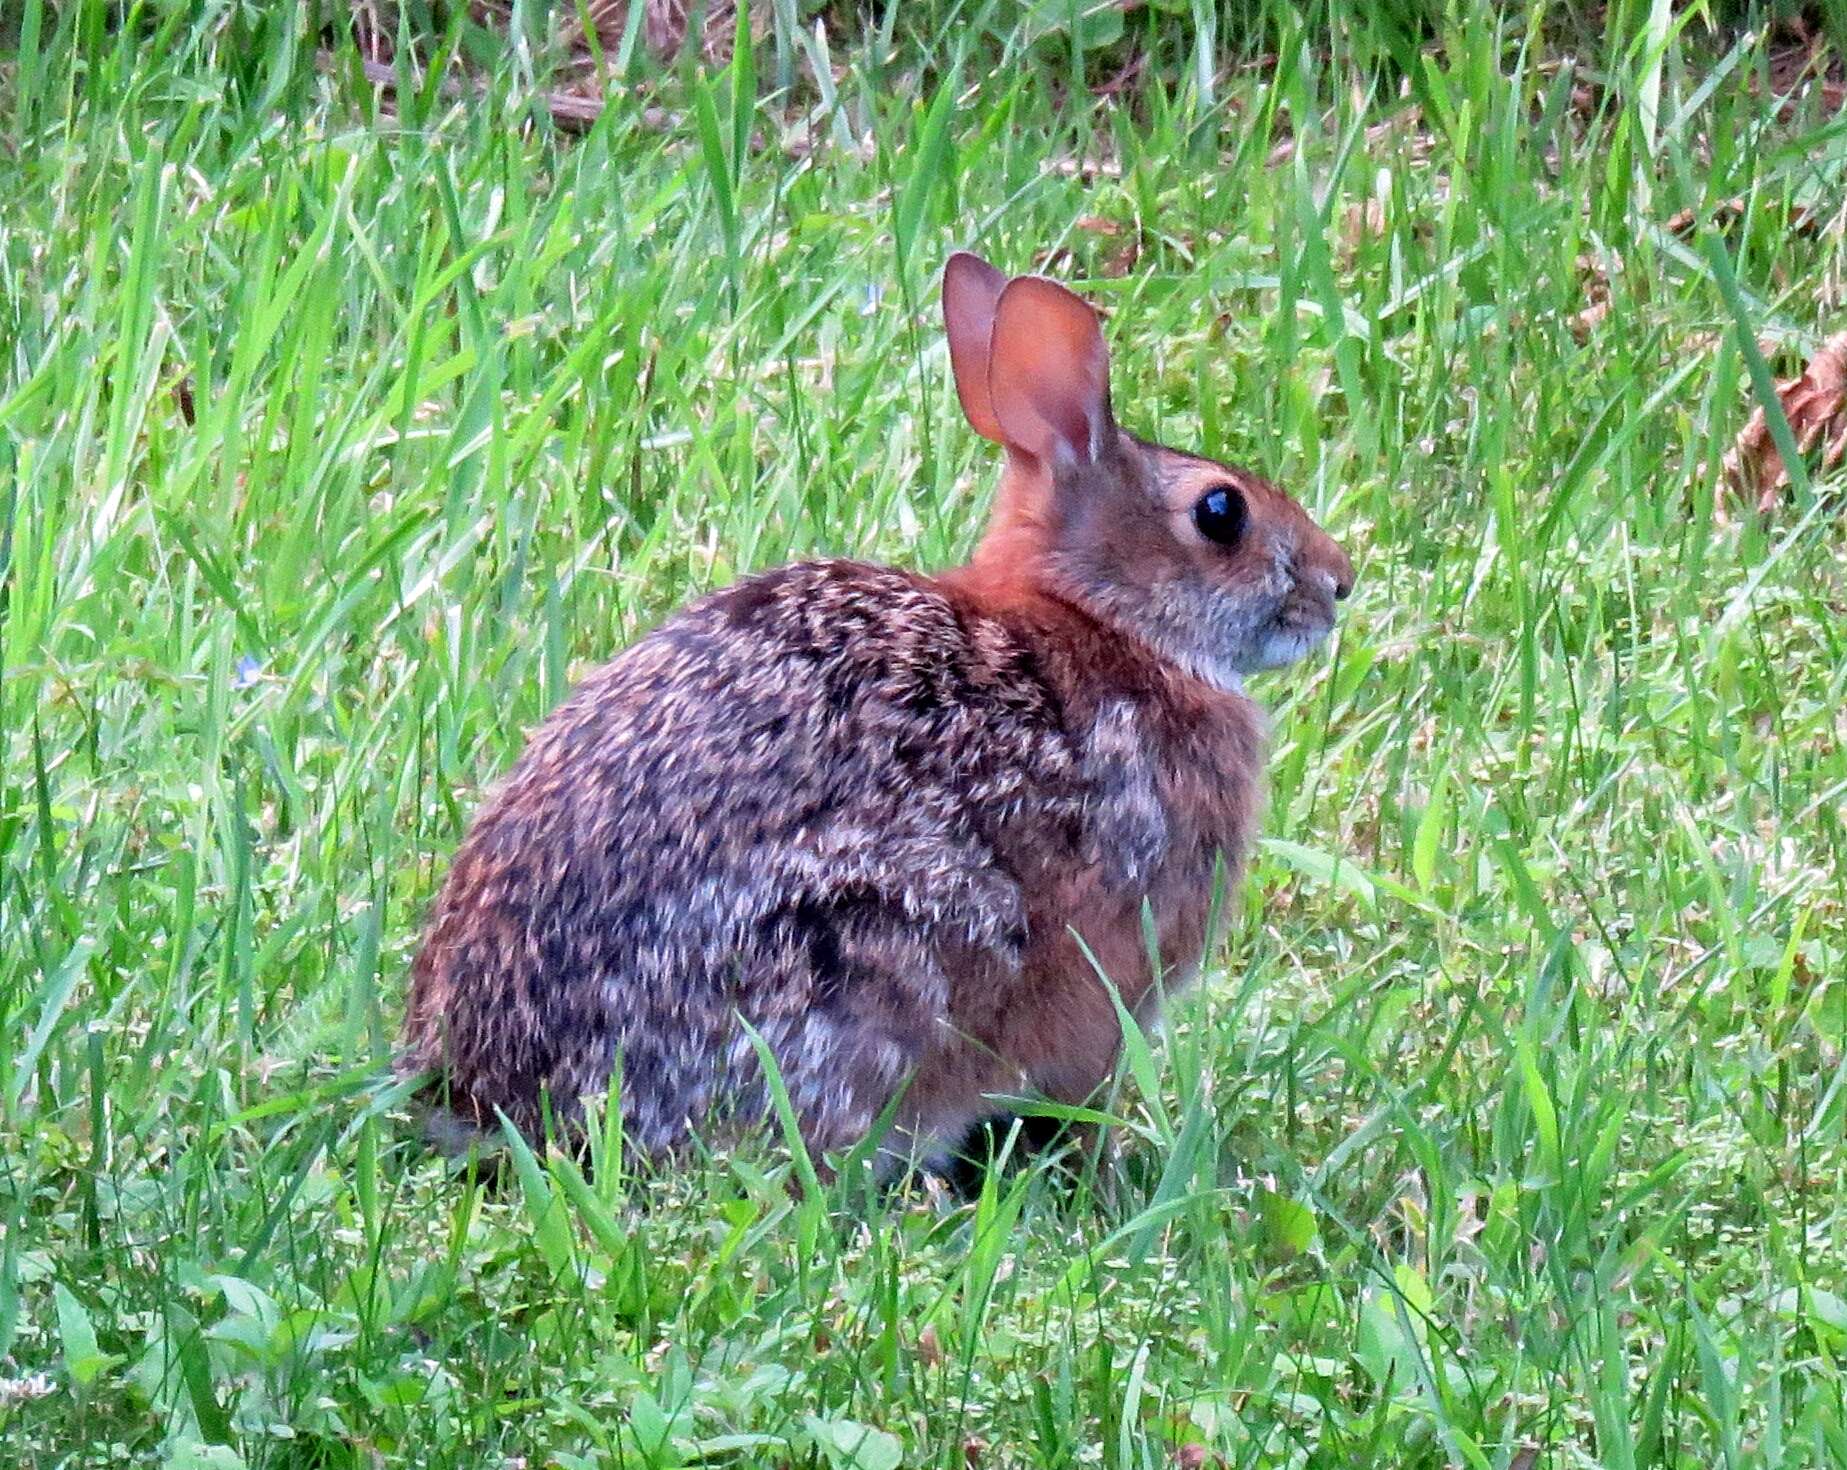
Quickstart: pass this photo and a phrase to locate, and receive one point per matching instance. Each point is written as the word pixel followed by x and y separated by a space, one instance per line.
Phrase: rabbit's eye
pixel 1220 515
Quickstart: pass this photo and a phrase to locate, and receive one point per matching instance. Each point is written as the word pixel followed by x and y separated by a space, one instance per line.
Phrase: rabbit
pixel 897 822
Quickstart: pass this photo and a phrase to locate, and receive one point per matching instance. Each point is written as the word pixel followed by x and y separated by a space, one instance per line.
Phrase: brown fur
pixel 874 812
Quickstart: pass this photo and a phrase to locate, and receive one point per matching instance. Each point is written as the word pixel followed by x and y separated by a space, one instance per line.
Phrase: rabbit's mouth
pixel 1300 626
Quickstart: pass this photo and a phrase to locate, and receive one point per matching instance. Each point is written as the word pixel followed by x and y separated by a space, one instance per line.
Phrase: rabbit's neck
pixel 1019 529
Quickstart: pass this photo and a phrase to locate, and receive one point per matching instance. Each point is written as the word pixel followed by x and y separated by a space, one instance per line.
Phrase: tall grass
pixel 337 437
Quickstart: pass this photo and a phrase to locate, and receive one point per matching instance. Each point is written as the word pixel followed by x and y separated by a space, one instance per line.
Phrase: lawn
pixel 341 428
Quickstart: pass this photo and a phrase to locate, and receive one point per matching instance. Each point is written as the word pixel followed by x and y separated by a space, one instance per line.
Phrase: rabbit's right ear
pixel 1048 373
pixel 971 292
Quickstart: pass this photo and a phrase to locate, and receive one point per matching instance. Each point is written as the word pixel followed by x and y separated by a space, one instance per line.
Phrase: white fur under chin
pixel 1227 678
pixel 1273 651
pixel 1279 650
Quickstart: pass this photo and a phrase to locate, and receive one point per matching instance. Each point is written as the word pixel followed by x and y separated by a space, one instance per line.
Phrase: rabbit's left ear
pixel 1048 373
pixel 971 291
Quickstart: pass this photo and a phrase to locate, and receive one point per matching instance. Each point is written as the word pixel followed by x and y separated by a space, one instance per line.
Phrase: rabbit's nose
pixel 1337 567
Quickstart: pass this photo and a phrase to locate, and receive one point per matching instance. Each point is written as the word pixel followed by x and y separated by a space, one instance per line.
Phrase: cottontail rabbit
pixel 873 811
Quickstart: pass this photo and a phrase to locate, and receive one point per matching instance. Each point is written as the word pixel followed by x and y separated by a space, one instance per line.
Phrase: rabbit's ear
pixel 971 291
pixel 1048 373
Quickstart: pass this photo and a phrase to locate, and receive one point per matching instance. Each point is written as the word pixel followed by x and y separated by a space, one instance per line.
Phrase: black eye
pixel 1220 515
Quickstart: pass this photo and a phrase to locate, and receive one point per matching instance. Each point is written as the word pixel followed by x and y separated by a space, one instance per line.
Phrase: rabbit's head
pixel 1218 570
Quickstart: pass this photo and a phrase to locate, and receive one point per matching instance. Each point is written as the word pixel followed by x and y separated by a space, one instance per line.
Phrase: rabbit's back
pixel 791 801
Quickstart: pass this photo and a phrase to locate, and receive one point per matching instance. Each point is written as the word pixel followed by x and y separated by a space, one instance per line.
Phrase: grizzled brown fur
pixel 873 812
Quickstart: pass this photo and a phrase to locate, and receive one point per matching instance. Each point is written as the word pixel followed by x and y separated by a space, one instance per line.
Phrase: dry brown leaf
pixel 1585 323
pixel 1119 262
pixel 1362 220
pixel 1815 403
pixel 1804 219
pixel 1595 280
pixel 1055 260
pixel 1800 57
pixel 1124 79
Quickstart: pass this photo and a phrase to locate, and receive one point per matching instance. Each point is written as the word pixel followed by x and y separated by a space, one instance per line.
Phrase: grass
pixel 1507 1127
